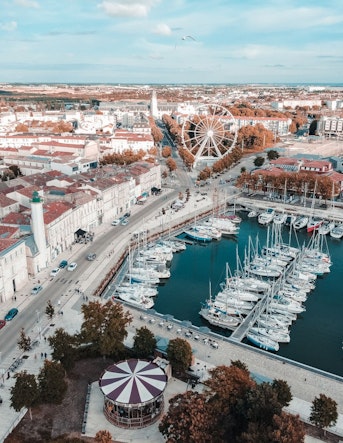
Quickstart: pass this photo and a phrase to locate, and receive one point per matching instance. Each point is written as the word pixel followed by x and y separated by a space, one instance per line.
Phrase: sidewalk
pixel 71 320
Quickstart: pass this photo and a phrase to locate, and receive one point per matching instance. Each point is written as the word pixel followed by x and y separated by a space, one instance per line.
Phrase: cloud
pixel 27 3
pixel 58 33
pixel 162 29
pixel 9 26
pixel 127 8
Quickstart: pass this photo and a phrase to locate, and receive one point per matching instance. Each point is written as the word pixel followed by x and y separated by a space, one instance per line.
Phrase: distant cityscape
pixel 53 139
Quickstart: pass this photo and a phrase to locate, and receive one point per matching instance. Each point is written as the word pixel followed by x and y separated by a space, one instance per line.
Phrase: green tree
pixel 104 327
pixel 258 162
pixel 49 310
pixel 323 412
pixel 52 383
pixel 24 342
pixel 64 348
pixel 144 343
pixel 283 392
pixel 25 392
pixel 179 354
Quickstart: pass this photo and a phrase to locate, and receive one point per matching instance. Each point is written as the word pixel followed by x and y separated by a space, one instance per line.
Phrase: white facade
pixel 13 269
pixel 38 229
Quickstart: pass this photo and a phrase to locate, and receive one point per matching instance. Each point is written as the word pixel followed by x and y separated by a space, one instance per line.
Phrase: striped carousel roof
pixel 133 381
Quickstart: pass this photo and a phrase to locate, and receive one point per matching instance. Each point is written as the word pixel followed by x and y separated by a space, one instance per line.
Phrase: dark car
pixel 11 314
pixel 127 215
pixel 91 257
pixel 2 323
pixel 63 264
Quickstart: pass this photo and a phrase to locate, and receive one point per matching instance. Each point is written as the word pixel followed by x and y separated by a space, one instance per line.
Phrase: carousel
pixel 133 393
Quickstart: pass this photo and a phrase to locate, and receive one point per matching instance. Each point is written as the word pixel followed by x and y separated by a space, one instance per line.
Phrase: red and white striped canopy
pixel 133 381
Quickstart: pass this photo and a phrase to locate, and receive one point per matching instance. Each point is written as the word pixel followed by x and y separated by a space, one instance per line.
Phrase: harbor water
pixel 316 335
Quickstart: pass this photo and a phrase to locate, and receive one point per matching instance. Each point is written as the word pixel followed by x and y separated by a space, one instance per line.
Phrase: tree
pixel 49 310
pixel 52 384
pixel 171 164
pixel 272 154
pixel 258 162
pixel 283 391
pixel 179 354
pixel 25 392
pixel 323 412
pixel 144 343
pixel 24 341
pixel 103 437
pixel 166 151
pixel 288 428
pixel 104 327
pixel 186 419
pixel 63 346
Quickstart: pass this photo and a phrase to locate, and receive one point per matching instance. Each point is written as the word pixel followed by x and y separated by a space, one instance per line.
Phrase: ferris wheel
pixel 209 133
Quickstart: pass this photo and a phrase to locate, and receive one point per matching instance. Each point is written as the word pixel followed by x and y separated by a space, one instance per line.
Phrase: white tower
pixel 153 105
pixel 37 225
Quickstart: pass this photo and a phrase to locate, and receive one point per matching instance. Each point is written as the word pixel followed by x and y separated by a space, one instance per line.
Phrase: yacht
pixel 266 217
pixel 301 222
pixel 263 342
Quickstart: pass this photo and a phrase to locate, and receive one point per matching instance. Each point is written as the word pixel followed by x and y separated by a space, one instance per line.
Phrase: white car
pixel 72 266
pixel 115 222
pixel 54 272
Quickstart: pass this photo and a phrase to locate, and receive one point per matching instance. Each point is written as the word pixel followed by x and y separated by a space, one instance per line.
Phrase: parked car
pixel 124 222
pixel 91 257
pixel 2 323
pixel 63 264
pixel 72 266
pixel 115 222
pixel 127 214
pixel 54 272
pixel 11 314
pixel 36 289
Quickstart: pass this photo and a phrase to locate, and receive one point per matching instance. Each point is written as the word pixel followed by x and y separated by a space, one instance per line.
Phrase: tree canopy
pixel 25 392
pixel 104 327
pixel 179 354
pixel 144 343
pixel 233 408
pixel 64 348
pixel 323 411
pixel 52 383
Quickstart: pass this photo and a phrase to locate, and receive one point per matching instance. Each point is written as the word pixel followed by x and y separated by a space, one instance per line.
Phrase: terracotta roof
pixel 8 231
pixel 54 210
pixel 6 201
pixel 6 243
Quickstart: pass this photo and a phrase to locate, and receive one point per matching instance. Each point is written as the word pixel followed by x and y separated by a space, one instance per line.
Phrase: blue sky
pixel 141 41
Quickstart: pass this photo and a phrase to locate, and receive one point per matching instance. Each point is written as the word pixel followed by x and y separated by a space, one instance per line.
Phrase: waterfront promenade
pixel 305 383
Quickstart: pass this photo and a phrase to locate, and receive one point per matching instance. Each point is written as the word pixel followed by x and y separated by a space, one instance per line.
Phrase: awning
pixel 80 233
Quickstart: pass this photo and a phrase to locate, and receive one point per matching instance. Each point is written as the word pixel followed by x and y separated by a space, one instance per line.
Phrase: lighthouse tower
pixel 37 225
pixel 153 105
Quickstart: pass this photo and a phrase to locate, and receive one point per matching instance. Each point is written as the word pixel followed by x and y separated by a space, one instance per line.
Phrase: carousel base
pixel 121 421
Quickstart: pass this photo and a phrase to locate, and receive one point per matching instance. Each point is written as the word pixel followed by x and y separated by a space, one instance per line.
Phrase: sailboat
pixel 217 317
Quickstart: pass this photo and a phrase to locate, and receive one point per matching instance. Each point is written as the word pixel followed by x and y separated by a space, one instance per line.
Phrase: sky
pixel 171 41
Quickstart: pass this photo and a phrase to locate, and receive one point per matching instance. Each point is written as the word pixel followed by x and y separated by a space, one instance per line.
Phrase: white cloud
pixel 127 8
pixel 162 29
pixel 9 26
pixel 27 3
pixel 270 18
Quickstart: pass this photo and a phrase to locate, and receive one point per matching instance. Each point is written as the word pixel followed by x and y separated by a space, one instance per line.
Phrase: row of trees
pixel 299 183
